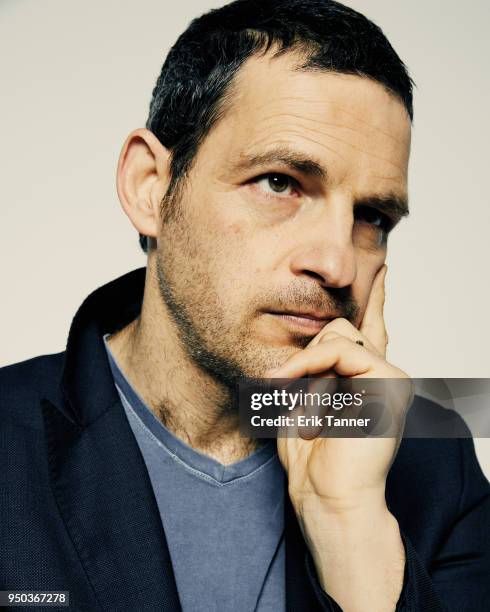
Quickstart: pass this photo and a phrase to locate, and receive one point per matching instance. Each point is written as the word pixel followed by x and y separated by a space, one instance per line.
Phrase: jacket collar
pixel 87 383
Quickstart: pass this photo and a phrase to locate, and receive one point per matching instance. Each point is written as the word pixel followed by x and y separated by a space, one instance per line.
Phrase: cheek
pixel 228 255
pixel 219 245
pixel 241 267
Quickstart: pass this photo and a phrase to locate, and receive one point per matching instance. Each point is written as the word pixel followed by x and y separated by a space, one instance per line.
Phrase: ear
pixel 142 180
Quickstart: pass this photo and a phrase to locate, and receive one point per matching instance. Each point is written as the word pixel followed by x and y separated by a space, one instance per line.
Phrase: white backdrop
pixel 77 77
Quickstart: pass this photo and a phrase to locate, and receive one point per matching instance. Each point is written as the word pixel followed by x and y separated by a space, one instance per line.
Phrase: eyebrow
pixel 391 204
pixel 285 157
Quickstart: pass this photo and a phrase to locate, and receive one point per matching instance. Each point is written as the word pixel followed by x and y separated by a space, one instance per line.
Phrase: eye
pixel 374 217
pixel 276 184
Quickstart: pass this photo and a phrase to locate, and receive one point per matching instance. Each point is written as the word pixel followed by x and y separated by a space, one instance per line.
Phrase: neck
pixel 188 401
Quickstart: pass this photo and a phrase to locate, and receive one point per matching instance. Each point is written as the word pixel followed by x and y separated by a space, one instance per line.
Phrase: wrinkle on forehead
pixel 288 135
pixel 283 122
pixel 358 120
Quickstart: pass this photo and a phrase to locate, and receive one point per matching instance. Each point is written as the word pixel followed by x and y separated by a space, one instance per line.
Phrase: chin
pixel 261 359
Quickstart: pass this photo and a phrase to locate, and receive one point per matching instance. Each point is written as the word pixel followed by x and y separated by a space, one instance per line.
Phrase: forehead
pixel 352 124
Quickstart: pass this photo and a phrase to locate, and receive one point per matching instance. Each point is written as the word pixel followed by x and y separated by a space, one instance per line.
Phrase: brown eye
pixel 279 182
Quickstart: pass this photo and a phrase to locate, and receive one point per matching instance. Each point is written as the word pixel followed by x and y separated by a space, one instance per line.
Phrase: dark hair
pixel 191 90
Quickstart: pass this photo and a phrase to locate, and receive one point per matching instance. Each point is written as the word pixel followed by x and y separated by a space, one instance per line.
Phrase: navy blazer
pixel 78 513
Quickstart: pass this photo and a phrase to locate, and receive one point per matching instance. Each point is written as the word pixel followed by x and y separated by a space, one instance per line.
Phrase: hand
pixel 337 485
pixel 345 472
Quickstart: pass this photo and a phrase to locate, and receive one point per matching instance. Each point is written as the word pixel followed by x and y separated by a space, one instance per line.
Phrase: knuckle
pixel 329 335
pixel 341 340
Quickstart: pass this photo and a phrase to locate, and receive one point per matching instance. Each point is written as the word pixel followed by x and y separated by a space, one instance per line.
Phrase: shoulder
pixel 436 473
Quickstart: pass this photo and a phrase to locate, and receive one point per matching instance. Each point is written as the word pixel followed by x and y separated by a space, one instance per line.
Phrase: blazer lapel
pixel 107 504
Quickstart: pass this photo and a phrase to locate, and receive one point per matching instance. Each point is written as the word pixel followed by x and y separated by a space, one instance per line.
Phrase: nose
pixel 326 252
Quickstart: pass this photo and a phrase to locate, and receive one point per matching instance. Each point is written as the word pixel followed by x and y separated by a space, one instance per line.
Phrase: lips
pixel 306 322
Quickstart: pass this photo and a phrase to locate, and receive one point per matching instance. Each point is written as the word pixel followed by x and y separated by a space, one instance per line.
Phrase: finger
pixel 342 327
pixel 314 410
pixel 339 354
pixel 373 324
pixel 339 326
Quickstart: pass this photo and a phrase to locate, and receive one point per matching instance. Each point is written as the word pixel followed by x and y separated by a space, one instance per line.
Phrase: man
pixel 273 168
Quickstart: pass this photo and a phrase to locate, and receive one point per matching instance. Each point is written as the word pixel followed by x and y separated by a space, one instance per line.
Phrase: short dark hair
pixel 190 92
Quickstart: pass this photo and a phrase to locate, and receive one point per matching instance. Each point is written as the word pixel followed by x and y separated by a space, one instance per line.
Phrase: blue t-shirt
pixel 224 524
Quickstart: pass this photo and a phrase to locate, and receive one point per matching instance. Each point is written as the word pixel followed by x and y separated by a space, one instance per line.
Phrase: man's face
pixel 282 222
